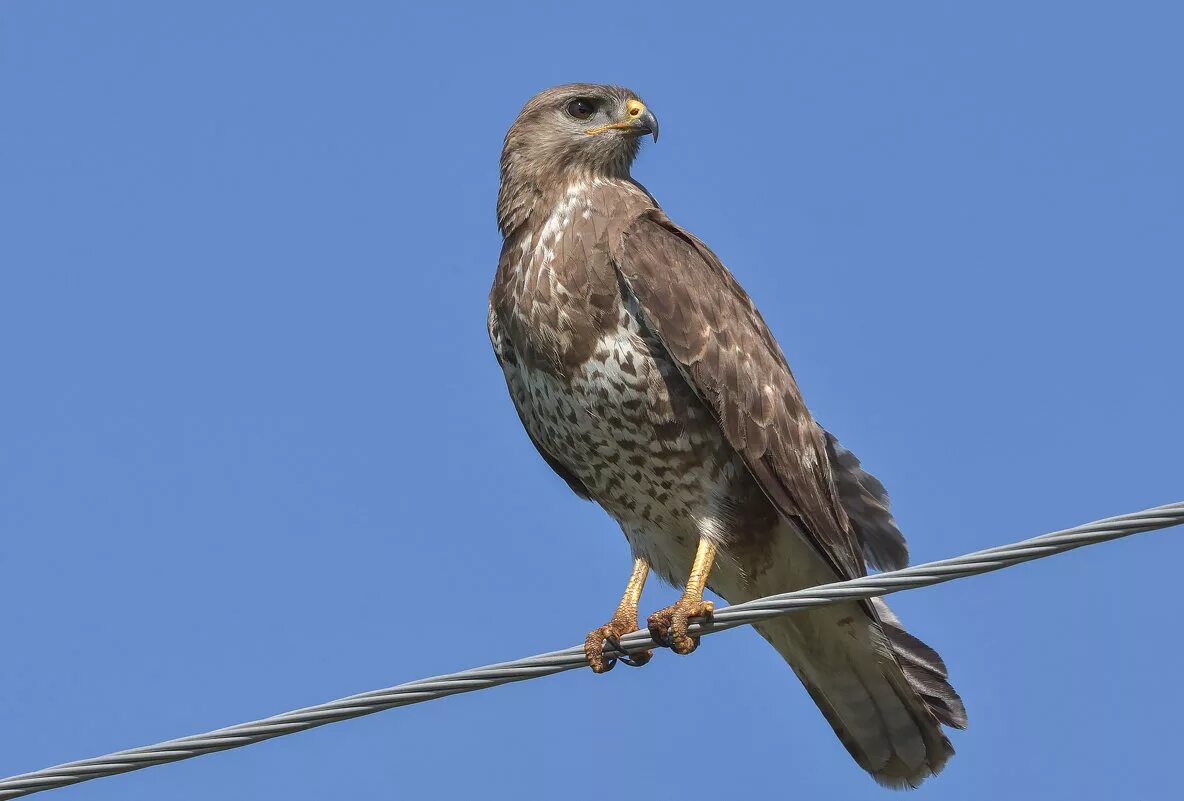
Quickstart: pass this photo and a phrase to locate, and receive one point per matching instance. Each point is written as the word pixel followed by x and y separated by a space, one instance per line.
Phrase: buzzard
pixel 647 379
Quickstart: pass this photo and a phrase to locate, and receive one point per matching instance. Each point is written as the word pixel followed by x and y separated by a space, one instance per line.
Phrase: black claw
pixel 616 646
pixel 625 657
pixel 631 662
pixel 612 660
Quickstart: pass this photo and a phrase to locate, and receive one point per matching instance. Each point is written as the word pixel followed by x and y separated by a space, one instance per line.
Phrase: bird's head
pixel 580 129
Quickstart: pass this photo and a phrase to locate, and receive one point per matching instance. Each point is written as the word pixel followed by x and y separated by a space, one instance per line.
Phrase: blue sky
pixel 256 453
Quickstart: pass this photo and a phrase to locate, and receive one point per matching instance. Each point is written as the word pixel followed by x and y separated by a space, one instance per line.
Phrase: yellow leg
pixel 669 626
pixel 701 568
pixel 624 621
pixel 629 601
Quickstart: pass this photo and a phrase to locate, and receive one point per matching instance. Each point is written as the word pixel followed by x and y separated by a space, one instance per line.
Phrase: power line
pixel 532 667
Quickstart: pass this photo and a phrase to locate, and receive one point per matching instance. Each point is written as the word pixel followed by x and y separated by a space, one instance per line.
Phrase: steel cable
pixel 532 667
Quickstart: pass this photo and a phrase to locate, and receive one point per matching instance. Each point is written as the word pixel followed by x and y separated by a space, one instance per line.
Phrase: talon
pixel 610 634
pixel 681 642
pixel 622 623
pixel 659 626
pixel 669 626
pixel 614 643
pixel 594 650
pixel 632 660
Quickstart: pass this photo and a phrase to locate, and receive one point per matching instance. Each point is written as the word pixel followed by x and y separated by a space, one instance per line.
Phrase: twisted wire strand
pixel 480 678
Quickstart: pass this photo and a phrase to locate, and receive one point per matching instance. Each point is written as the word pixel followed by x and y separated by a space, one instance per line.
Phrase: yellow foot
pixel 611 633
pixel 669 626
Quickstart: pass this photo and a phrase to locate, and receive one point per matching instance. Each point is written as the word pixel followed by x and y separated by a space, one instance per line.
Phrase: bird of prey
pixel 650 383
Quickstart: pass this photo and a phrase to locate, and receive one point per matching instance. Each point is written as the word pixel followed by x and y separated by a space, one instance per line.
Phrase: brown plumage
pixel 647 379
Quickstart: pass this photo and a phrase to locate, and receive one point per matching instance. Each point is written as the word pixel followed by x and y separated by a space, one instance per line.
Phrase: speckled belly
pixel 643 444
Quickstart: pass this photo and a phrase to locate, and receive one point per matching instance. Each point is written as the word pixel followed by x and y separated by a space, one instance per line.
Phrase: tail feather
pixel 924 669
pixel 884 692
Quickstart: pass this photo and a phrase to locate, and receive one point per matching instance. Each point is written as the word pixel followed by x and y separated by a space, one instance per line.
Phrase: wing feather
pixel 727 353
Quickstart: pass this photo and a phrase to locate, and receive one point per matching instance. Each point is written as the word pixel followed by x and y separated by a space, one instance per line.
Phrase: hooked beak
pixel 638 121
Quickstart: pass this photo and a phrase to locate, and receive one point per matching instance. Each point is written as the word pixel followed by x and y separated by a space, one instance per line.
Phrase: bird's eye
pixel 581 108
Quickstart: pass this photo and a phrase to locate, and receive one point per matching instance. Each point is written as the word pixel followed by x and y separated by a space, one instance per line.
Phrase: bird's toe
pixel 670 626
pixel 611 634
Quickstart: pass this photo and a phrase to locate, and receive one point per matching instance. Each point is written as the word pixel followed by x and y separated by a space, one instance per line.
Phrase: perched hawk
pixel 649 382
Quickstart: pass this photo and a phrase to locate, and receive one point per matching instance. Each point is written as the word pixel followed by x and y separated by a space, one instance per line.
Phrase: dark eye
pixel 581 108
